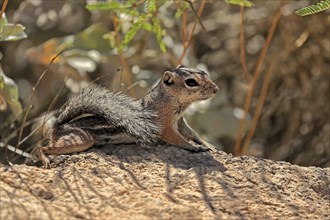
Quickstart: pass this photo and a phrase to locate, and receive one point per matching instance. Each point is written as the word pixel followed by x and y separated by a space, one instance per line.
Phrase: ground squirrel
pixel 97 116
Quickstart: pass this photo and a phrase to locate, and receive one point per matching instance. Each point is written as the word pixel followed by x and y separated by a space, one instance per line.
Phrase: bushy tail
pixel 118 109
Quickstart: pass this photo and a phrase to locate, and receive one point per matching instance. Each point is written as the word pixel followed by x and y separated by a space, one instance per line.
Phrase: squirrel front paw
pixel 196 148
pixel 200 148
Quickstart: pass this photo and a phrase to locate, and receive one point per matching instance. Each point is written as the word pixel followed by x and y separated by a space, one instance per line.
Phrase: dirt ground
pixel 131 182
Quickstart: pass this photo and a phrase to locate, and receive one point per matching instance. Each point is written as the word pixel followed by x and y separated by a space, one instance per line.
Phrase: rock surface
pixel 130 182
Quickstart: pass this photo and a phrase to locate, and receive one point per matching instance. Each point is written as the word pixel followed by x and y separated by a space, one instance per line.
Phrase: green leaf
pixel 9 93
pixel 148 27
pixel 245 3
pixel 107 6
pixel 111 37
pixel 159 34
pixel 92 38
pixel 132 32
pixel 181 10
pixel 313 9
pixel 151 7
pixel 2 83
pixel 3 22
pixel 11 32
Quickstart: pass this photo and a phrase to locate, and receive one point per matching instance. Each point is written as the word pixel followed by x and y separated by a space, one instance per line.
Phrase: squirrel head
pixel 188 85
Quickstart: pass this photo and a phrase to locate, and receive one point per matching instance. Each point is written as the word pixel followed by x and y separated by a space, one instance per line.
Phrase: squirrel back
pixel 117 109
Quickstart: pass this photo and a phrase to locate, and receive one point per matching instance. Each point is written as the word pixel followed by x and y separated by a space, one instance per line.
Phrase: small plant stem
pixel 248 99
pixel 122 60
pixel 242 47
pixel 187 43
pixel 32 95
pixel 4 6
pixel 260 104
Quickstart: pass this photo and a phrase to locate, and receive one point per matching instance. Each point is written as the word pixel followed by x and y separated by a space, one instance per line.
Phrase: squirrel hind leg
pixel 73 142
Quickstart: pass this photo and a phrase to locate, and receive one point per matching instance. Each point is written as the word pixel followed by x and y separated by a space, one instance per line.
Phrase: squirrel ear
pixel 168 78
pixel 180 66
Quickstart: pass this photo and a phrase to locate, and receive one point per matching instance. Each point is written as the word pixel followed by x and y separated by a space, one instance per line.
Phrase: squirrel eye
pixel 191 82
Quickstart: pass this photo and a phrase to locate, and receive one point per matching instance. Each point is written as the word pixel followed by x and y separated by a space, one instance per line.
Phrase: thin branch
pixel 183 21
pixel 259 107
pixel 248 99
pixel 184 26
pixel 122 60
pixel 120 71
pixel 195 13
pixel 47 117
pixel 16 150
pixel 33 91
pixel 133 85
pixel 14 132
pixel 186 44
pixel 4 6
pixel 100 77
pixel 242 47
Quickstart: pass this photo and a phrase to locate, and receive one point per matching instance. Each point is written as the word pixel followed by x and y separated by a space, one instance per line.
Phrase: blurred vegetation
pixel 268 62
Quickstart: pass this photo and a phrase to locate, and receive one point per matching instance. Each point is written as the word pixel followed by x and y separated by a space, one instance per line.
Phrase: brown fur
pixel 97 116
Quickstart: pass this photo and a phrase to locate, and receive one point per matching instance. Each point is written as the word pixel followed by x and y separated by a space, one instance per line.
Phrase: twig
pixel 120 71
pixel 16 150
pixel 100 77
pixel 122 59
pixel 133 85
pixel 184 26
pixel 14 132
pixel 4 6
pixel 45 118
pixel 248 99
pixel 184 21
pixel 195 13
pixel 187 43
pixel 260 104
pixel 242 46
pixel 32 94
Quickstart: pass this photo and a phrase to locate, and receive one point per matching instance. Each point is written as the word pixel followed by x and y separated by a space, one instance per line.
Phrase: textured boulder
pixel 130 182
